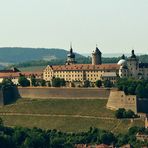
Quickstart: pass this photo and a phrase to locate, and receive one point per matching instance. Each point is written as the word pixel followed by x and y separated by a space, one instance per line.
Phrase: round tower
pixel 123 70
pixel 96 57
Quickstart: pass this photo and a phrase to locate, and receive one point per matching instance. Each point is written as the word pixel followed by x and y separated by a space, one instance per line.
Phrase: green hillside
pixel 68 115
pixel 18 54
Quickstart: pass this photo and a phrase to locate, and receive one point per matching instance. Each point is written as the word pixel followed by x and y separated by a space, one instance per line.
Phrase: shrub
pixel 98 83
pixel 122 113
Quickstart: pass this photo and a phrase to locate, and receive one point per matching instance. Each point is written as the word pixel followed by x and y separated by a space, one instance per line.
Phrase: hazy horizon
pixel 116 26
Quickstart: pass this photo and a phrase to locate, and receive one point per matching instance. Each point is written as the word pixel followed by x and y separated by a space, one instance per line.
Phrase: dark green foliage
pixel 86 83
pixel 63 82
pixel 57 82
pixel 33 81
pixel 1 121
pixel 108 83
pixel 23 81
pixel 48 83
pixel 20 137
pixel 7 81
pixel 43 83
pixel 133 86
pixel 98 83
pixel 119 113
pixel 122 113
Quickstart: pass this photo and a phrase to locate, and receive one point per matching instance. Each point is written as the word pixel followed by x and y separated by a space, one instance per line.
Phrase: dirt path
pixel 116 126
pixel 54 115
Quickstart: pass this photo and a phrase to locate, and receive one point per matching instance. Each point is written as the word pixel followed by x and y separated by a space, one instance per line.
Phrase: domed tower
pixel 70 57
pixel 123 70
pixel 96 57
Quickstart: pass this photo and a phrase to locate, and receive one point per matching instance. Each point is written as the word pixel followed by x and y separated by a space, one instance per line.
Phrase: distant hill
pixel 110 55
pixel 18 54
pixel 30 57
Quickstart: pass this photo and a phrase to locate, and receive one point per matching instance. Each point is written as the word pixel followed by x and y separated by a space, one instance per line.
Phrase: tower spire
pixel 71 50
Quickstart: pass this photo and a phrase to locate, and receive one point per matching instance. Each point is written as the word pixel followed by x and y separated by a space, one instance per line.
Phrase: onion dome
pixel 71 54
pixel 122 61
pixel 133 56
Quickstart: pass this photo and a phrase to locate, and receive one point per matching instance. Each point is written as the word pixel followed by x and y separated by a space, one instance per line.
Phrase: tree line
pixel 21 137
pixel 133 86
pixel 79 59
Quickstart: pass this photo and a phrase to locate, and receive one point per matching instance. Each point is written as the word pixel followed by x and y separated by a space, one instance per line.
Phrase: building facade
pixel 132 67
pixel 72 72
pixel 14 75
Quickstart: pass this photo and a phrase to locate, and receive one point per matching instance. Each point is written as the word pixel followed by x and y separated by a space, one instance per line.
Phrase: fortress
pixel 74 73
pixel 78 73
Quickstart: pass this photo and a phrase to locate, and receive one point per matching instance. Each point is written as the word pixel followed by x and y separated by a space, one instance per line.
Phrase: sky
pixel 116 26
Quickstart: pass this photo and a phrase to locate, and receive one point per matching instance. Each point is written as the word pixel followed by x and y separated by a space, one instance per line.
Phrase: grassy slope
pixel 64 107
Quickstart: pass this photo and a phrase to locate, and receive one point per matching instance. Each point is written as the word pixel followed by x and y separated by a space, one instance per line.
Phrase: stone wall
pixel 1 98
pixel 8 95
pixel 118 99
pixel 63 93
pixel 142 105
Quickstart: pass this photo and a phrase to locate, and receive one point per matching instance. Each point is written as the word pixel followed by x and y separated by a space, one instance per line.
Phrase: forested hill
pixel 17 54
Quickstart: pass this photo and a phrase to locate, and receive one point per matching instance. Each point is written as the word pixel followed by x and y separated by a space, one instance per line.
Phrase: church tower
pixel 70 57
pixel 96 57
pixel 133 65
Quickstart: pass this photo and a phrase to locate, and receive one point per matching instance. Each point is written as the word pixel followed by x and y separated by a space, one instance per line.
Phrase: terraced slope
pixel 65 115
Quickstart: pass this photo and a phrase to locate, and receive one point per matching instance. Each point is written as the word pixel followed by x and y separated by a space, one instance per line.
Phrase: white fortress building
pixel 78 73
pixel 132 67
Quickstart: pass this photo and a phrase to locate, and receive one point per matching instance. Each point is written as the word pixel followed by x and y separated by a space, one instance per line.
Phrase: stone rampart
pixel 118 99
pixel 63 93
pixel 142 105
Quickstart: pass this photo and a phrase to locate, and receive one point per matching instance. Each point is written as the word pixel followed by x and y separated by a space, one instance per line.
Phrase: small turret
pixel 97 57
pixel 70 57
pixel 133 55
pixel 123 57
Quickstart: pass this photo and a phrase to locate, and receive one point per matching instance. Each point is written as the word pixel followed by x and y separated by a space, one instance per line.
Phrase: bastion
pixel 118 99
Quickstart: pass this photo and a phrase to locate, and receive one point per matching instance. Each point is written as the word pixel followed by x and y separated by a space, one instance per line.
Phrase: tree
pixel 131 90
pixel 1 122
pixel 63 82
pixel 48 84
pixel 107 138
pixel 107 83
pixel 120 112
pixel 86 83
pixel 57 82
pixel 43 83
pixel 98 83
pixel 33 80
pixel 23 81
pixel 129 114
pixel 7 81
pixel 140 91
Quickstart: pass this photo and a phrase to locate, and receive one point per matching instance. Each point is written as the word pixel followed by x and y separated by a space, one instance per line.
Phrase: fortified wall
pixel 118 99
pixel 63 93
pixel 8 95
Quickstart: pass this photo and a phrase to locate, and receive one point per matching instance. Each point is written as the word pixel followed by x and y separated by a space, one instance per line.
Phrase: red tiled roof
pixel 102 146
pixel 94 146
pixel 86 67
pixel 9 75
pixel 17 74
pixel 32 73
